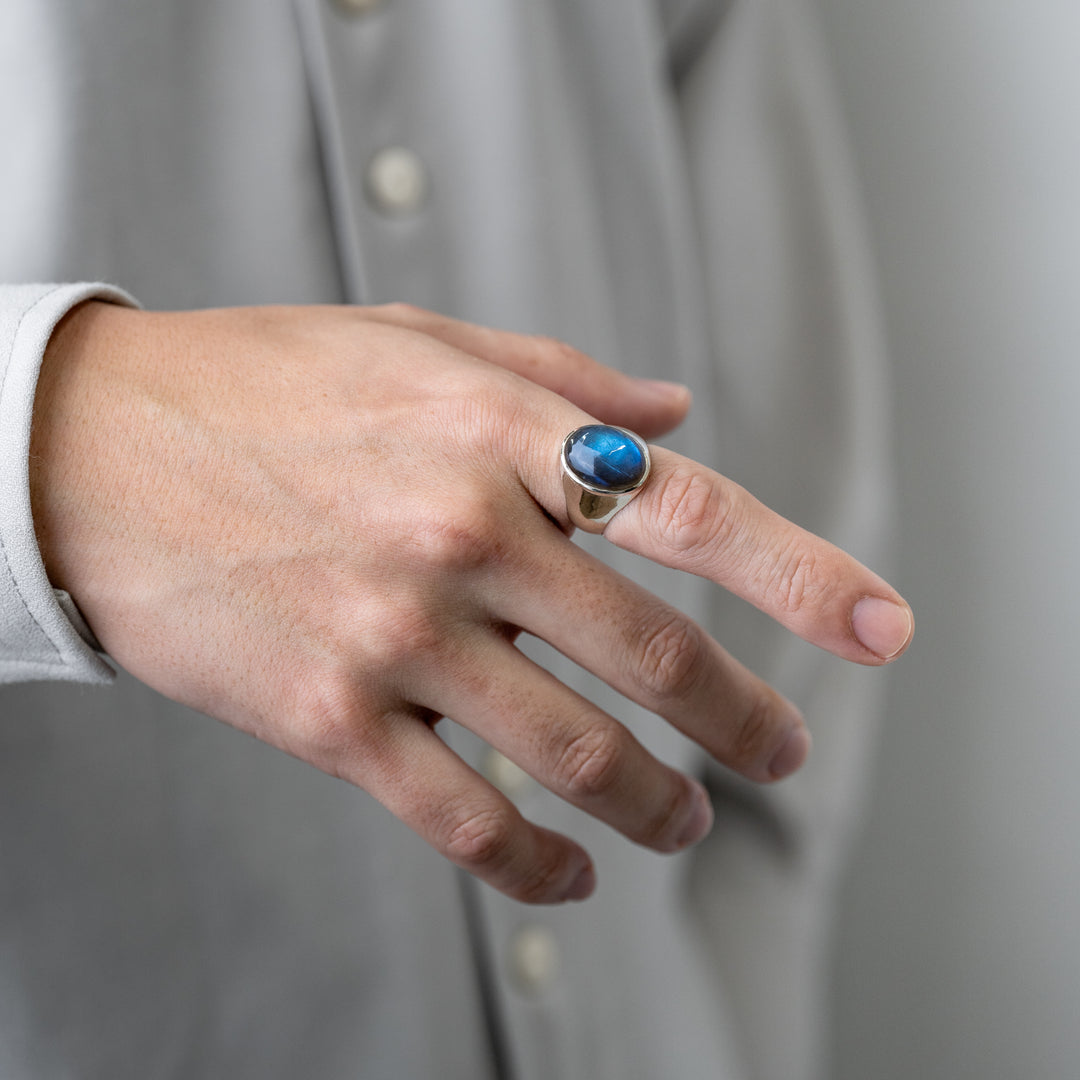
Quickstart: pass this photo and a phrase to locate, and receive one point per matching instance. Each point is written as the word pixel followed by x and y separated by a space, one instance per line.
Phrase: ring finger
pixel 566 743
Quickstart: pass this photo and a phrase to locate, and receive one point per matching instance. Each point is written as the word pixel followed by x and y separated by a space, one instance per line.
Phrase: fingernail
pixel 792 754
pixel 700 822
pixel 582 886
pixel 881 626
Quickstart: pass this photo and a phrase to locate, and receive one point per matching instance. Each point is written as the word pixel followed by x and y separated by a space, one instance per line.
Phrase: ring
pixel 603 468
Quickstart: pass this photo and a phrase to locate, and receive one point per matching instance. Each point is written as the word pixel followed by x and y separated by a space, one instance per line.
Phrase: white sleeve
pixel 42 635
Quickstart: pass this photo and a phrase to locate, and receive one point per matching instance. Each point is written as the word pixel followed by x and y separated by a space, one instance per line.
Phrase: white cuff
pixel 42 635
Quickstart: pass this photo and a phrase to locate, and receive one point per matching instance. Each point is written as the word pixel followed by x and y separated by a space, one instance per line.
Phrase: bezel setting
pixel 589 505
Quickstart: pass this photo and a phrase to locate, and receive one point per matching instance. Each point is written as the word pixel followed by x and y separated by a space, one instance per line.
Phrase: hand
pixel 326 526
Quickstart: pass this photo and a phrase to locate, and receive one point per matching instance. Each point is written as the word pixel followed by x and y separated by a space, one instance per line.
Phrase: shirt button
pixel 534 959
pixel 512 780
pixel 396 180
pixel 358 7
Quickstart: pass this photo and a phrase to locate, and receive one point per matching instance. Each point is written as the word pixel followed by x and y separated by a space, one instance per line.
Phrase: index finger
pixel 691 518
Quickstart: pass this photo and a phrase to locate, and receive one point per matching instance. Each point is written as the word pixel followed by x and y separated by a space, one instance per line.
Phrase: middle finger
pixel 653 654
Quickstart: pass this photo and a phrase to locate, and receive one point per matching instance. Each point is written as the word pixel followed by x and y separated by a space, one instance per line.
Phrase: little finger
pixel 420 780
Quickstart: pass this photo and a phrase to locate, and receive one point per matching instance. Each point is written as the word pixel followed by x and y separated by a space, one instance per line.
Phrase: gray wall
pixel 960 947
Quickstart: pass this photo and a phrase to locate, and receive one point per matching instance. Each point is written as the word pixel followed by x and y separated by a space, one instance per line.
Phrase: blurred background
pixel 960 946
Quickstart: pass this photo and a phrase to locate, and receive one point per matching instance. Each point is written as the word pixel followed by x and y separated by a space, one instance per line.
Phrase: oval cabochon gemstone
pixel 606 457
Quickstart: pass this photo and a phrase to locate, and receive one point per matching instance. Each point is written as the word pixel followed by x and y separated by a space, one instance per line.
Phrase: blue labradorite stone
pixel 605 457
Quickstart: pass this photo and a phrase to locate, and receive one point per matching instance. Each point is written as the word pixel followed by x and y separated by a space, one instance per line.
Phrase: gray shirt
pixel 661 183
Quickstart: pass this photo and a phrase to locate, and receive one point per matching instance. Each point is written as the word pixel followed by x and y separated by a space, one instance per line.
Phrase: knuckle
pixel 591 764
pixel 692 512
pixel 467 537
pixel 751 732
pixel 328 721
pixel 660 830
pixel 553 349
pixel 556 364
pixel 794 581
pixel 483 840
pixel 409 631
pixel 540 883
pixel 670 656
